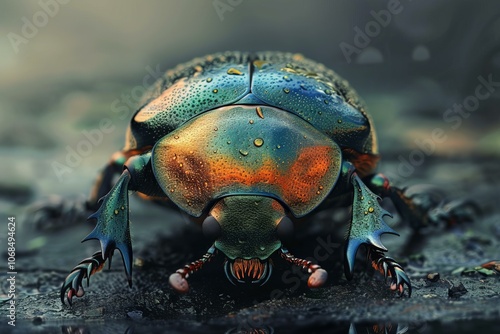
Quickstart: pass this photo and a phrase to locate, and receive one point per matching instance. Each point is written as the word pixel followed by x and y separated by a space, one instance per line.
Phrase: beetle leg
pixel 113 226
pixel 390 268
pixel 426 207
pixel 178 280
pixel 453 213
pixel 367 224
pixel 318 275
pixel 73 282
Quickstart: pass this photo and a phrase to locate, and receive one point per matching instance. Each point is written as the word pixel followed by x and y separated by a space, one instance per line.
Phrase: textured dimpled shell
pixel 283 80
pixel 311 97
pixel 243 150
pixel 210 88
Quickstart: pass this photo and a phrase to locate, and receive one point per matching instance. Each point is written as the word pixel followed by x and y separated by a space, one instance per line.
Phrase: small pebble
pixel 433 277
pixel 457 291
pixel 135 315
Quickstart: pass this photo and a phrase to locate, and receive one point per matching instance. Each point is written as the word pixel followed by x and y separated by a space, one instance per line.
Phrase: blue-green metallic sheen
pixel 232 150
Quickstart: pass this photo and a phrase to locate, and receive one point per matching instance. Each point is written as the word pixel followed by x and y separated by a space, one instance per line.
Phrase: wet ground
pixel 164 241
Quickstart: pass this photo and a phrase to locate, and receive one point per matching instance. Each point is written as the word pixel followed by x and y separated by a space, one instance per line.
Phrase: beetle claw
pixel 400 279
pixel 391 269
pixel 73 282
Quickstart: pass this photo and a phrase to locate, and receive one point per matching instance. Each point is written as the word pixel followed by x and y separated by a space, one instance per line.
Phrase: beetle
pixel 248 144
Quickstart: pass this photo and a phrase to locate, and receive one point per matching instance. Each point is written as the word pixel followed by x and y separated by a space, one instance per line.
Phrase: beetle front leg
pixel 112 229
pixel 367 226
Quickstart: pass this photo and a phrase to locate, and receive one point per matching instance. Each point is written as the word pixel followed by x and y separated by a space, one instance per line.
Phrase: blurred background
pixel 429 72
pixel 66 64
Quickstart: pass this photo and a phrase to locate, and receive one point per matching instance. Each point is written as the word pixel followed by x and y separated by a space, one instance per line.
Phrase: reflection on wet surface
pixel 130 327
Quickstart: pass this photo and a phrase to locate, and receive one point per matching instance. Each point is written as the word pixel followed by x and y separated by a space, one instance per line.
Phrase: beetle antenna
pixel 318 275
pixel 178 280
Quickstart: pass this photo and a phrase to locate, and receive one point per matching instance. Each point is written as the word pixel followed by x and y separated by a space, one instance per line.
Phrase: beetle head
pixel 247 229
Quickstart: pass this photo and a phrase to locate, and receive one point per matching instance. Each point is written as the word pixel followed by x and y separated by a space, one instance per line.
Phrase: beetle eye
pixel 211 227
pixel 285 229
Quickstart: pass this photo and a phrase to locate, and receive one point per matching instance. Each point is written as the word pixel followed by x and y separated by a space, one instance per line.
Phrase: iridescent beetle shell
pixel 288 82
pixel 276 154
pixel 221 123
